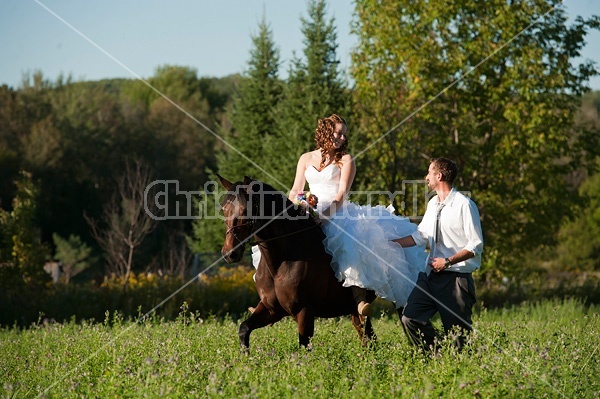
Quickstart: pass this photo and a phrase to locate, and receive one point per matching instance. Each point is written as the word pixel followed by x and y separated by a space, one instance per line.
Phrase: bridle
pixel 232 229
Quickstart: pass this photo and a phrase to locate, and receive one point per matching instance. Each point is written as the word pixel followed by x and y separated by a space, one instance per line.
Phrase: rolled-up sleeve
pixel 421 235
pixel 472 226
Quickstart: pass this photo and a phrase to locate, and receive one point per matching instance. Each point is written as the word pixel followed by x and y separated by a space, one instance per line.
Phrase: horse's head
pixel 253 207
pixel 239 222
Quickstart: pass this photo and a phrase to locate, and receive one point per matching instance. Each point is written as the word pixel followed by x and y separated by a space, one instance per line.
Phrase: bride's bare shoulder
pixel 308 158
pixel 311 156
pixel 346 158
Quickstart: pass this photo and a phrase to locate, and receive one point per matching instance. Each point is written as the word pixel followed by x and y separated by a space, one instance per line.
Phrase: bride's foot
pixel 360 296
pixel 365 309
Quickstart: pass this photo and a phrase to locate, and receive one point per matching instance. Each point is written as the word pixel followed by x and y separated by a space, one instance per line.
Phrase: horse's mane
pixel 283 206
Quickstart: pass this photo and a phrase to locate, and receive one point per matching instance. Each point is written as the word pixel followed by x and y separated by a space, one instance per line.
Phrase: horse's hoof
pixel 368 342
pixel 245 350
pixel 308 347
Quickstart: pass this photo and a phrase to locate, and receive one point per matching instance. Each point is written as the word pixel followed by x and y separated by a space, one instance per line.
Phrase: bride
pixel 357 236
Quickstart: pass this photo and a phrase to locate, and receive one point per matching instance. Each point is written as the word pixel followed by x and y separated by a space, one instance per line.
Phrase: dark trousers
pixel 450 293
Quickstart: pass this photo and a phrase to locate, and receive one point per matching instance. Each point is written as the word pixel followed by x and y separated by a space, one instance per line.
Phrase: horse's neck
pixel 281 240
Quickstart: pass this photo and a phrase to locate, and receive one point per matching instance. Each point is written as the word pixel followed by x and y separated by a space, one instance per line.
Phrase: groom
pixel 452 227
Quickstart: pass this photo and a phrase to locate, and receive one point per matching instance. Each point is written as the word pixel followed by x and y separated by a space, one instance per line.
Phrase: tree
pixel 579 238
pixel 22 253
pixel 253 121
pixel 253 114
pixel 314 89
pixel 485 86
pixel 127 220
pixel 73 255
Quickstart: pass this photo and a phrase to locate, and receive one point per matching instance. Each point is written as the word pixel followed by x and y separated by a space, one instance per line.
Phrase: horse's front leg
pixel 306 327
pixel 259 318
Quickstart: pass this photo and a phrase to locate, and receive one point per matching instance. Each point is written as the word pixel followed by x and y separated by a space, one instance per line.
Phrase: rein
pixel 252 233
pixel 252 222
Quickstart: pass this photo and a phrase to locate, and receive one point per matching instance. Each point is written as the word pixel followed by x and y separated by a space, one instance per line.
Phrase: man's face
pixel 433 177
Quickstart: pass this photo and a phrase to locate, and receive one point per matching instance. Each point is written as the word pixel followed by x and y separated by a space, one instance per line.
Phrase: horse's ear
pixel 226 183
pixel 252 186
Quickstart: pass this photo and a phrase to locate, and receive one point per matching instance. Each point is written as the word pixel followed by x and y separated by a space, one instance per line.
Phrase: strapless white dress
pixel 357 237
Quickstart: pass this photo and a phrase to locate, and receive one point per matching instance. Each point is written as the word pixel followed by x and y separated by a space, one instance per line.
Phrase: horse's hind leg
pixel 306 327
pixel 369 332
pixel 259 318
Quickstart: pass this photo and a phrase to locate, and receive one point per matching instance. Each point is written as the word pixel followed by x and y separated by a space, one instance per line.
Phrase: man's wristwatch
pixel 447 264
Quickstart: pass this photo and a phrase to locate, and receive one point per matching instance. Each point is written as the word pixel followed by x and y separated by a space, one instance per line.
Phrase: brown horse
pixel 294 276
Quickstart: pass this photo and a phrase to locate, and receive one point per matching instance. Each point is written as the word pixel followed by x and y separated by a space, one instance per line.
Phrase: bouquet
pixel 307 201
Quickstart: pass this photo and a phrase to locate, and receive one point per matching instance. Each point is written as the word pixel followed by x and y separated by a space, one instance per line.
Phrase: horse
pixel 294 277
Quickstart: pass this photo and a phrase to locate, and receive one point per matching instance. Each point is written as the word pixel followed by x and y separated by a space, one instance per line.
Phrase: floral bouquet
pixel 307 201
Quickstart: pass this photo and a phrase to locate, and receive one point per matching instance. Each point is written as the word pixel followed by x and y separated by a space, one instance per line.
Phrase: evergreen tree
pixel 314 89
pixel 253 114
pixel 253 121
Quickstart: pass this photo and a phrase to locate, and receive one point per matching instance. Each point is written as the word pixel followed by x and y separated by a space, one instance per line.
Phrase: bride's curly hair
pixel 324 137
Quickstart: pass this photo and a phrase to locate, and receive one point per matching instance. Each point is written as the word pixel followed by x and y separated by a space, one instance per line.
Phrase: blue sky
pixel 131 38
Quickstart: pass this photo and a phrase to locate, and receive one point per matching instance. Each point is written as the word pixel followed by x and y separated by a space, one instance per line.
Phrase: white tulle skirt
pixel 358 238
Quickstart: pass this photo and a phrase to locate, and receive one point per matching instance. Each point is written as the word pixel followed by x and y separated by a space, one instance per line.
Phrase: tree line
pixel 427 79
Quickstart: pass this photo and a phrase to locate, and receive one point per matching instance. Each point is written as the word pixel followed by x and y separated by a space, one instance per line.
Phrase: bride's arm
pixel 299 180
pixel 346 178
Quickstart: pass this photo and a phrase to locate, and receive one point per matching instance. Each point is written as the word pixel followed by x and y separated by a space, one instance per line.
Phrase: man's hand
pixel 438 264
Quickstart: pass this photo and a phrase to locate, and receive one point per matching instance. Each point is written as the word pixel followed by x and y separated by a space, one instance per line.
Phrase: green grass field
pixel 532 351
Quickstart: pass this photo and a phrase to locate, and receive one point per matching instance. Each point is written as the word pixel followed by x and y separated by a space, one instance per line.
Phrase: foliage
pixel 252 116
pixel 314 89
pixel 127 219
pixel 252 122
pixel 22 253
pixel 75 139
pixel 507 357
pixel 208 231
pixel 578 245
pixel 73 255
pixel 459 80
pixel 218 292
pixel 273 122
pixel 496 97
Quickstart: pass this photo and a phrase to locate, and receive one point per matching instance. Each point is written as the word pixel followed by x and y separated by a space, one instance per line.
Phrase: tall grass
pixel 549 349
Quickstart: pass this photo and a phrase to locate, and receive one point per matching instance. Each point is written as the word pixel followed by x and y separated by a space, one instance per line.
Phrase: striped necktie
pixel 436 231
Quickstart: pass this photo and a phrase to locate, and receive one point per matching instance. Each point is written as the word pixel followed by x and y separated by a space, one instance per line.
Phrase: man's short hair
pixel 447 168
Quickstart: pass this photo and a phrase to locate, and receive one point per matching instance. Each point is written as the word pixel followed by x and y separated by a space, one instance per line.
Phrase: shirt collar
pixel 450 198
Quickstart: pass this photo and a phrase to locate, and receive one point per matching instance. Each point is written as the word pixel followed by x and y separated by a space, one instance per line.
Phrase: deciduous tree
pixel 493 88
pixel 22 253
pixel 73 255
pixel 127 220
